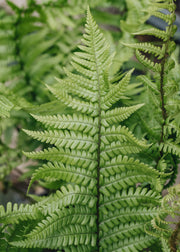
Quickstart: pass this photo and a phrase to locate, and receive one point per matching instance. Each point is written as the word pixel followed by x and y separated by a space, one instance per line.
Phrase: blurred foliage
pixel 36 43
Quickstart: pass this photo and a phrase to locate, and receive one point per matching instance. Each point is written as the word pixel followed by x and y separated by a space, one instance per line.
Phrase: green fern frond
pixel 147 81
pixel 153 32
pixel 65 139
pixel 101 184
pixel 121 134
pixel 72 157
pixel 131 197
pixel 68 196
pixel 57 171
pixel 72 234
pixel 14 213
pixel 165 246
pixel 76 104
pixel 73 215
pixel 160 94
pixel 75 89
pixel 149 48
pixel 118 115
pixel 119 232
pixel 115 91
pixel 123 181
pixel 76 122
pixel 169 19
pixel 170 148
pixel 5 106
pixel 164 229
pixel 124 163
pixel 170 6
pixel 134 243
pixel 156 67
pixel 81 81
pixel 127 215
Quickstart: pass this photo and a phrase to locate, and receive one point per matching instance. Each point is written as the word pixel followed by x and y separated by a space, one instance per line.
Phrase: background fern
pixel 161 86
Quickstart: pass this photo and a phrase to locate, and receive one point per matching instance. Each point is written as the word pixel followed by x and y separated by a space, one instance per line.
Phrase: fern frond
pixel 73 215
pixel 118 115
pixel 71 122
pixel 131 197
pixel 123 181
pixel 170 6
pixel 149 48
pixel 164 229
pixel 72 234
pixel 153 32
pixel 68 100
pixel 170 148
pixel 14 213
pixel 58 171
pixel 81 81
pixel 115 91
pixel 102 205
pixel 119 232
pixel 68 195
pixel 149 83
pixel 78 158
pixel 134 243
pixel 127 215
pixel 165 246
pixel 156 67
pixel 65 139
pixel 124 163
pixel 122 134
pixel 5 106
pixel 168 18
pixel 118 148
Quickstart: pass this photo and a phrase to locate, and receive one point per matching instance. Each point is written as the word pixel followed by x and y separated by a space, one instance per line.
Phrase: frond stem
pixel 163 109
pixel 98 148
pixel 162 94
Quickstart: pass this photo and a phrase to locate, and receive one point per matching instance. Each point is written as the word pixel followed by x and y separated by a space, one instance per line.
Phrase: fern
pixel 100 204
pixel 36 43
pixel 28 54
pixel 160 86
pixel 168 230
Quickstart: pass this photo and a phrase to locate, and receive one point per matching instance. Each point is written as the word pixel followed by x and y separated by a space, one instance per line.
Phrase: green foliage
pixel 168 230
pixel 105 184
pixel 99 179
pixel 36 42
pixel 161 127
